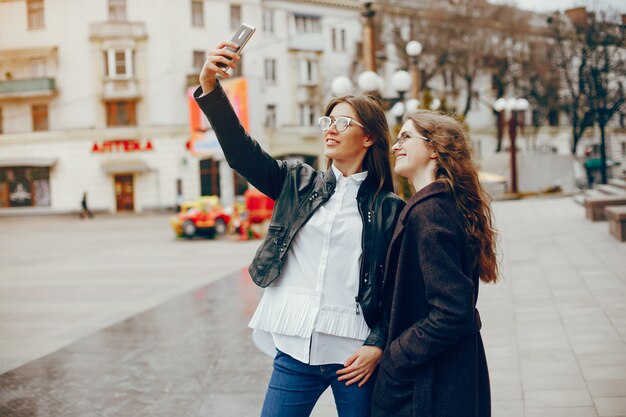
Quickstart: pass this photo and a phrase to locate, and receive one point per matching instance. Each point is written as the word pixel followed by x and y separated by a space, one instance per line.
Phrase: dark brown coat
pixel 434 364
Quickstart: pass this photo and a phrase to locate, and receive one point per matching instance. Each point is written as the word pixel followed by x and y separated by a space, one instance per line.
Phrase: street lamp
pixel 413 50
pixel 401 82
pixel 341 86
pixel 369 38
pixel 515 108
pixel 412 105
pixel 371 82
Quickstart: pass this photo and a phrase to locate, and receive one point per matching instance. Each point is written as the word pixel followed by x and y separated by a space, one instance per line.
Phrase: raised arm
pixel 242 153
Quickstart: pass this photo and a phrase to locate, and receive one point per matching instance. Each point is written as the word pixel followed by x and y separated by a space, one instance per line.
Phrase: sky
pixel 550 5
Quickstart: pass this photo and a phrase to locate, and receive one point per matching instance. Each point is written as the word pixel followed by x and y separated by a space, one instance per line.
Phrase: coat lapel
pixel 431 189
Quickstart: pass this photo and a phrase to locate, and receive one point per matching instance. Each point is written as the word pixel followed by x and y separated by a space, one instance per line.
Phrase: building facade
pixel 99 102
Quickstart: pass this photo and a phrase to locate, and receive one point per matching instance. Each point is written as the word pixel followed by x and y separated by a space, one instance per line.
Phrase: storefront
pixel 123 173
pixel 25 183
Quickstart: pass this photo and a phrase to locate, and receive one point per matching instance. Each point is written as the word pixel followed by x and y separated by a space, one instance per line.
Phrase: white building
pixel 93 95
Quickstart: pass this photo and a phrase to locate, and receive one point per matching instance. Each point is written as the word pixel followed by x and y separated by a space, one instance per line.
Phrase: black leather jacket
pixel 299 190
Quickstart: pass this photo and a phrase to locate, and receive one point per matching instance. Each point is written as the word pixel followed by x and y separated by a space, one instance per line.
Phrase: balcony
pixel 27 88
pixel 126 88
pixel 118 30
pixel 313 42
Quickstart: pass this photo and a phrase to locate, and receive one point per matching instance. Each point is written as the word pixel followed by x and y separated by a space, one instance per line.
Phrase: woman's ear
pixel 368 142
pixel 433 155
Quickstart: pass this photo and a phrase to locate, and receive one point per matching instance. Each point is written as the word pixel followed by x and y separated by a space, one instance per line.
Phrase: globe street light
pixel 401 82
pixel 412 105
pixel 414 50
pixel 341 86
pixel 370 81
pixel 515 108
pixel 397 111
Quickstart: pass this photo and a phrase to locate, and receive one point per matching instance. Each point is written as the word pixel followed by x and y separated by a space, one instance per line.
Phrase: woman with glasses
pixel 322 261
pixel 443 245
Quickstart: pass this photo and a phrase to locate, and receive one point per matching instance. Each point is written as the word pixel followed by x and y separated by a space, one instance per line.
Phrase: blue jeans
pixel 295 387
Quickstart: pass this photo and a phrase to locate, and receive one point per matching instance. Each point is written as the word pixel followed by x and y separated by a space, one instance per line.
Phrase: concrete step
pixel 593 193
pixel 617 182
pixel 579 199
pixel 610 189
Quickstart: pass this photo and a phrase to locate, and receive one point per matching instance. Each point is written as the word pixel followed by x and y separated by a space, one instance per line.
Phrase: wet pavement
pixel 187 357
pixel 554 329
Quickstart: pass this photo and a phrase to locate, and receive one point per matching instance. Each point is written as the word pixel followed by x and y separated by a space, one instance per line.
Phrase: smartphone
pixel 241 38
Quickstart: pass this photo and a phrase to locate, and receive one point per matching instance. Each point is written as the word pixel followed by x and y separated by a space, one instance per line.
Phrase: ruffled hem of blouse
pixel 297 314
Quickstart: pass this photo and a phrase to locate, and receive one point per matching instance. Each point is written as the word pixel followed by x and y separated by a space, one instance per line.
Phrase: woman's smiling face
pixel 349 145
pixel 412 151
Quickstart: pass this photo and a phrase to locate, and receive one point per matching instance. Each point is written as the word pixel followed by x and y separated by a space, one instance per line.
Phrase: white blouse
pixel 310 311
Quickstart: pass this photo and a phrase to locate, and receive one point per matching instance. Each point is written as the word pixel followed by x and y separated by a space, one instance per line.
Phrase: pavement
pixel 115 317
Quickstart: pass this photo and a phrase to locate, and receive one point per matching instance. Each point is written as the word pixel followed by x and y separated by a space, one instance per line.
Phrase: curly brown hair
pixel 455 166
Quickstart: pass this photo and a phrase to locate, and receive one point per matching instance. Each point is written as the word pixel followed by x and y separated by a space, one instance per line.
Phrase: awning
pixel 120 166
pixel 207 146
pixel 28 162
pixel 489 178
pixel 27 53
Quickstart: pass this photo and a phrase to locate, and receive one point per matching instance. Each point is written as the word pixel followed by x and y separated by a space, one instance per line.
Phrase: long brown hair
pixel 455 166
pixel 372 116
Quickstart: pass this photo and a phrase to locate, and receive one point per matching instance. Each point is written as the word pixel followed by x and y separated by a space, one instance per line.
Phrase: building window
pixel 270 116
pixel 40 117
pixel 119 63
pixel 241 184
pixel 24 186
pixel 38 68
pixel 197 13
pixel 270 70
pixel 338 39
pixel 198 60
pixel 307 114
pixel 238 70
pixel 553 117
pixel 307 71
pixel 121 113
pixel 342 42
pixel 235 16
pixel 117 10
pixel 623 143
pixel 210 177
pixel 308 24
pixel 35 14
pixel 268 21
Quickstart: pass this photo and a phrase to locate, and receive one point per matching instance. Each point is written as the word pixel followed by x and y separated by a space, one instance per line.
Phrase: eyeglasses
pixel 341 123
pixel 405 136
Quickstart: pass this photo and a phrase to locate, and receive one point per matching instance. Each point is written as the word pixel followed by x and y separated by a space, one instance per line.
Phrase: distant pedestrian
pixel 84 208
pixel 443 245
pixel 323 256
pixel 179 201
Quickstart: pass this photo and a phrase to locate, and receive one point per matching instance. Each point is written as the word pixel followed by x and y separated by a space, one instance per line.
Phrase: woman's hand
pixel 210 69
pixel 361 365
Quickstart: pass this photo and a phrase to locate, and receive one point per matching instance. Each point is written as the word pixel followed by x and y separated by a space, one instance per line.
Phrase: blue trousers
pixel 295 387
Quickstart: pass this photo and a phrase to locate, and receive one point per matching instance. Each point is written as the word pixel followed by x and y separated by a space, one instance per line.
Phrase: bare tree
pixel 605 75
pixel 572 54
pixel 539 81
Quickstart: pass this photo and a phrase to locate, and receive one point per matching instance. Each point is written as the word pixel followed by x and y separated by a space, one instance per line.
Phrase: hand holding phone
pixel 240 38
pixel 218 60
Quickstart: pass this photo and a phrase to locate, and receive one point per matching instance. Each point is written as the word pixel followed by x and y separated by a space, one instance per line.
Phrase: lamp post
pixel 413 50
pixel 514 107
pixel 369 37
